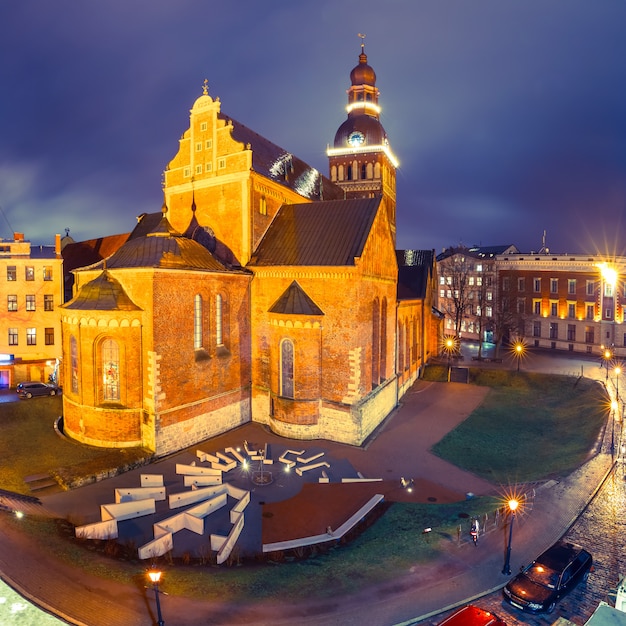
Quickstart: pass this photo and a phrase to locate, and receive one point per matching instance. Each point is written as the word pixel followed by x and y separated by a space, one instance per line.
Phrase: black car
pixel 28 390
pixel 547 579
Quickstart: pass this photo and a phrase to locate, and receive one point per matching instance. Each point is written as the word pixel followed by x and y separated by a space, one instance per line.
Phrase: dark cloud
pixel 508 117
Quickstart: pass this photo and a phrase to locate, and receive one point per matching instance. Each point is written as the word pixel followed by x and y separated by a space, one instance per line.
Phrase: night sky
pixel 508 117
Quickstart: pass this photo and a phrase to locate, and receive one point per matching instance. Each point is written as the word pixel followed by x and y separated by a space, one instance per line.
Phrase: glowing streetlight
pixel 449 345
pixel 512 504
pixel 155 576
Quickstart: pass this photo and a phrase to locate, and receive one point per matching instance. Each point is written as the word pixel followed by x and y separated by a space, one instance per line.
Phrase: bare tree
pixel 456 269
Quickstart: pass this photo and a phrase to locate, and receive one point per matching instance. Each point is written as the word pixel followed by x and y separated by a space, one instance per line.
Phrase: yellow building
pixel 30 328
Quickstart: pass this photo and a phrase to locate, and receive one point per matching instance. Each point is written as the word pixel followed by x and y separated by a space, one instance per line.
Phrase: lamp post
pixel 607 358
pixel 155 576
pixel 513 504
pixel 618 371
pixel 519 351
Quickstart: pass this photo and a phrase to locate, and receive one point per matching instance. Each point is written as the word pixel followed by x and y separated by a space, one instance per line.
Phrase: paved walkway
pixel 398 449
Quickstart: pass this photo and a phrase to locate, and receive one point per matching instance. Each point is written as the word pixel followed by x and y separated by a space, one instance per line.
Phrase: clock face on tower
pixel 356 139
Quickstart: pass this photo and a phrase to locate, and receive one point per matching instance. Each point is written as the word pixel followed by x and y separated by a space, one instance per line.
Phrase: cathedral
pixel 261 291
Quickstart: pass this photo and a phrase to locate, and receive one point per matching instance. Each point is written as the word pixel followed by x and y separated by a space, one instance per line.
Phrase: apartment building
pixel 31 287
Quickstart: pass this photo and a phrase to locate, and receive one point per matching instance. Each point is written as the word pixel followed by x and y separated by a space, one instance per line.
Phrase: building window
pixel 488 311
pixel 588 334
pixel 554 309
pixel 554 330
pixel 221 164
pixel 208 144
pixel 74 363
pixel 203 126
pixel 571 286
pixel 521 306
pixel 110 370
pixel 31 336
pixel 187 172
pixel 197 322
pixel 49 336
pixel 48 302
pixel 286 369
pixel 13 336
pixel 571 310
pixel 30 303
pixel 554 285
pixel 537 285
pixel 263 206
pixel 608 290
pixel 47 272
pixel 505 283
pixel 12 303
pixel 219 319
pixel 199 169
pixel 470 281
pixel 198 146
pixel 11 272
pixel 537 307
pixel 30 272
pixel 489 296
pixel 590 311
pixel 521 284
pixel 208 167
pixel 363 171
pixel 571 332
pixel 590 287
pixel 536 329
pixel 479 280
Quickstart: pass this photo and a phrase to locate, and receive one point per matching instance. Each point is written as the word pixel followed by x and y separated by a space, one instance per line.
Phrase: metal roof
pixel 103 293
pixel 317 233
pixel 295 301
pixel 414 270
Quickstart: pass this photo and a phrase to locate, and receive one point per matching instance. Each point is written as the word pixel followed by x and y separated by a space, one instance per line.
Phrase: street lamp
pixel 512 504
pixel 155 576
pixel 607 357
pixel 519 352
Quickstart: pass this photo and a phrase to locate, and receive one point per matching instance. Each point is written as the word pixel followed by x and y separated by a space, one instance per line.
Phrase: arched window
pixel 74 363
pixel 383 340
pixel 333 173
pixel 349 172
pixel 263 206
pixel 341 174
pixel 197 322
pixel 400 365
pixel 219 321
pixel 110 370
pixel 375 343
pixel 363 171
pixel 286 368
pixel 377 170
pixel 370 170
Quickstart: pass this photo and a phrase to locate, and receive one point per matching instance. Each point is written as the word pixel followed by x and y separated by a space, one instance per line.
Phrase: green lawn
pixel 529 427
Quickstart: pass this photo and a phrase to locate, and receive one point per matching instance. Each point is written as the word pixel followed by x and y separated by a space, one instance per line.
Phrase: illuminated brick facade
pixel 259 293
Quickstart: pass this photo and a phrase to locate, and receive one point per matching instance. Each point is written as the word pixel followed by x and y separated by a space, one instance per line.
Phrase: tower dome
pixel 363 74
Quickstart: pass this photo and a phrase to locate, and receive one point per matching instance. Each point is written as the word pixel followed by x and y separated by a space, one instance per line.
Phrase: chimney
pixel 18 236
pixel 57 244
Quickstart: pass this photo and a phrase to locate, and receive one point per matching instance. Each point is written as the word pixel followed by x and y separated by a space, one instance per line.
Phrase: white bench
pixel 305 468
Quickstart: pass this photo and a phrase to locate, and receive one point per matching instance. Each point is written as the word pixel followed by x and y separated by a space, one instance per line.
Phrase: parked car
pixel 547 579
pixel 471 615
pixel 28 390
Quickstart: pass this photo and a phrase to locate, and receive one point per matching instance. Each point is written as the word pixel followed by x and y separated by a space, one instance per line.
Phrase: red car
pixel 471 615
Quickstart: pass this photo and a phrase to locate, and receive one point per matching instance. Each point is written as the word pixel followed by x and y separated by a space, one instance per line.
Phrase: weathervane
pixel 362 38
pixel 205 87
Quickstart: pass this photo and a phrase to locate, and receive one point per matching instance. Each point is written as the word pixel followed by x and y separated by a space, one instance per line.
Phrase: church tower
pixel 361 161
